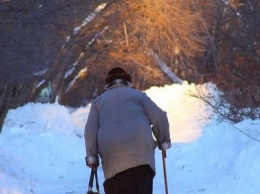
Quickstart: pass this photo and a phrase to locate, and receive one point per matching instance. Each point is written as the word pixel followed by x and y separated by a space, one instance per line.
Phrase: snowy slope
pixel 42 149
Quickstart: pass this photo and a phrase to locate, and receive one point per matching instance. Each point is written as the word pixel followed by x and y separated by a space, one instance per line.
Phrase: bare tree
pixel 234 27
pixel 31 33
pixel 139 35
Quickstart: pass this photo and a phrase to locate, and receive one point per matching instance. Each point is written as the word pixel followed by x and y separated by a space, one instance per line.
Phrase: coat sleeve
pixel 159 121
pixel 90 135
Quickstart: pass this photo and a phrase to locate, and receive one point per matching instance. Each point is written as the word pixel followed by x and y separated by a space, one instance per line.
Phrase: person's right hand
pixel 92 166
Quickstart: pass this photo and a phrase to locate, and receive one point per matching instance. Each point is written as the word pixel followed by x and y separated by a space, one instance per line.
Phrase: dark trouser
pixel 138 180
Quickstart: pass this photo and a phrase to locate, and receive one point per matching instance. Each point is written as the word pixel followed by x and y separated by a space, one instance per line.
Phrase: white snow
pixel 42 149
pixel 90 17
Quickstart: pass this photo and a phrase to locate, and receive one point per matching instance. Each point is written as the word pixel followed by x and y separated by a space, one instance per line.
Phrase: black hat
pixel 117 73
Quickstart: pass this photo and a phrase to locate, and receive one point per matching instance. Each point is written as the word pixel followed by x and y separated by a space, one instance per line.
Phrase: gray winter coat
pixel 120 129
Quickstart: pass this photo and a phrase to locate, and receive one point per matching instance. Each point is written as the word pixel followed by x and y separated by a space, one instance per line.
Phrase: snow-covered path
pixel 42 149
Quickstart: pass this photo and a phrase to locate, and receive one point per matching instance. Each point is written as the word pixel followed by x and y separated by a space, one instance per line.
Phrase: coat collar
pixel 117 83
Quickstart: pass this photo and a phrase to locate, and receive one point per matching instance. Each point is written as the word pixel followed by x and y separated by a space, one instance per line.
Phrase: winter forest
pixel 70 46
pixel 59 51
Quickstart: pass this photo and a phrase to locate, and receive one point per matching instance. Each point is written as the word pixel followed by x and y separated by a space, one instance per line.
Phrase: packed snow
pixel 42 148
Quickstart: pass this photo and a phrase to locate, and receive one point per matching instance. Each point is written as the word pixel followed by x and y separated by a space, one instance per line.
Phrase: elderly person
pixel 123 128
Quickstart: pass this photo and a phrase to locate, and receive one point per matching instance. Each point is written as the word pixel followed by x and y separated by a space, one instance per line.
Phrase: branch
pixel 217 109
pixel 241 131
pixel 164 68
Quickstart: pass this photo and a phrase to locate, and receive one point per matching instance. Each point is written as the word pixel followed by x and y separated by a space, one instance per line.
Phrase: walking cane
pixel 164 171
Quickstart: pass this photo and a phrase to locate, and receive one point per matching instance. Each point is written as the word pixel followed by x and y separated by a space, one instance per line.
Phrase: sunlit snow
pixel 42 148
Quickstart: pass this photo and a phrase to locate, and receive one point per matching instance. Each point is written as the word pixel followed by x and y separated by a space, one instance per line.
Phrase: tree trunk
pixel 3 114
